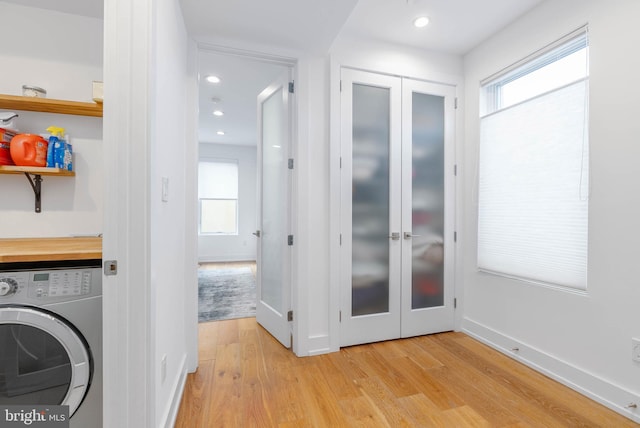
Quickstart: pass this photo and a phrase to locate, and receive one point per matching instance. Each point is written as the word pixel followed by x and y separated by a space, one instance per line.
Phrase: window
pixel 218 197
pixel 534 168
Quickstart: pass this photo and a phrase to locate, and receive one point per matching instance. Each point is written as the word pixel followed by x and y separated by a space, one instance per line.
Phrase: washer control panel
pixel 47 284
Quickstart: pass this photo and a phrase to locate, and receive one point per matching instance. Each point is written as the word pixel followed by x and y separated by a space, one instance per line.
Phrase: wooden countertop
pixel 50 249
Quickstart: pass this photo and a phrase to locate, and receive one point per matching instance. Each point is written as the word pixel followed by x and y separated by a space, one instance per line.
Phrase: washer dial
pixel 8 286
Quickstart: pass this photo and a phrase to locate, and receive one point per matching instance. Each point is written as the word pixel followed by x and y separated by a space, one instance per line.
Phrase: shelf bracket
pixel 36 185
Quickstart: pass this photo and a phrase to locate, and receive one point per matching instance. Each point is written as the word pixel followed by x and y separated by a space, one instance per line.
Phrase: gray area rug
pixel 226 294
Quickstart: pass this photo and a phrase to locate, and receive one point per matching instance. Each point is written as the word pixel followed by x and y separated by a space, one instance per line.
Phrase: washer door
pixel 43 359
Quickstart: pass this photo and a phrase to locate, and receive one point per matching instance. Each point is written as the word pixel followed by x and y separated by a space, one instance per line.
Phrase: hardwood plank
pixel 376 366
pixel 493 411
pixel 359 412
pixel 420 407
pixel 194 409
pixel 565 396
pixel 463 416
pixel 207 340
pixel 488 388
pixel 534 405
pixel 321 405
pixel 340 382
pixel 386 402
pixel 229 332
pixel 439 394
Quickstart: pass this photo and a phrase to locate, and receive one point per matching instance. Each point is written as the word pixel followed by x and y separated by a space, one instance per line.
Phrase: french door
pixel 397 207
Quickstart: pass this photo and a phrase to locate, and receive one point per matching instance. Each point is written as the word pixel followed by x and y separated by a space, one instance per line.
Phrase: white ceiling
pixel 91 8
pixel 304 25
pixel 311 26
pixel 455 27
pixel 242 80
pixel 308 26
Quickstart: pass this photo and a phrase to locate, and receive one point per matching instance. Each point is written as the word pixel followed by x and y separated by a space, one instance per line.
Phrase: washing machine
pixel 51 337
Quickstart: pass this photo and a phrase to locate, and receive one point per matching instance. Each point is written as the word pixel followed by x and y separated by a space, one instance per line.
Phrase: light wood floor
pixel 247 379
pixel 229 265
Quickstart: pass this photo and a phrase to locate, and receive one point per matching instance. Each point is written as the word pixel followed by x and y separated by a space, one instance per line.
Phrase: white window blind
pixel 533 188
pixel 218 180
pixel 218 197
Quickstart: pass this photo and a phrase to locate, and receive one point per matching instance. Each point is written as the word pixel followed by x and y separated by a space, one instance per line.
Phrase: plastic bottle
pixel 28 150
pixel 56 141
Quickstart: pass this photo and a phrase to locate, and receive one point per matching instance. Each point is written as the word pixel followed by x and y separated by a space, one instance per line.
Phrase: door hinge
pixel 455 303
pixel 290 163
pixel 341 239
pixel 292 87
pixel 110 267
pixel 290 240
pixel 340 162
pixel 339 316
pixel 341 86
pixel 455 103
pixel 290 316
pixel 455 170
pixel 455 236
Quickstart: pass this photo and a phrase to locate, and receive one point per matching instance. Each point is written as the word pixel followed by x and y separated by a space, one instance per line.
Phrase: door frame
pixel 292 65
pixel 421 70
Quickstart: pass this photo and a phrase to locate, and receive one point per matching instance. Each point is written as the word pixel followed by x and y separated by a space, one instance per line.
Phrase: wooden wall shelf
pixel 47 105
pixel 34 170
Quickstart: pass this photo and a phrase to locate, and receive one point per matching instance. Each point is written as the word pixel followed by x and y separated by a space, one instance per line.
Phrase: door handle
pixel 408 235
pixel 395 236
pixel 256 233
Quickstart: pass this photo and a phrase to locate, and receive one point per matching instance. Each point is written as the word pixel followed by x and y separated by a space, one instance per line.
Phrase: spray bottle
pixel 56 142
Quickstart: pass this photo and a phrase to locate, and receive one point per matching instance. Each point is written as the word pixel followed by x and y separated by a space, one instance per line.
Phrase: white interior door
pixel 396 207
pixel 274 189
pixel 427 207
pixel 371 226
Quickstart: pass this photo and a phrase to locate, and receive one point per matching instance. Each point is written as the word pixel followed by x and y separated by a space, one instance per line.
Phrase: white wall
pixel 64 62
pixel 582 340
pixel 243 245
pixel 169 100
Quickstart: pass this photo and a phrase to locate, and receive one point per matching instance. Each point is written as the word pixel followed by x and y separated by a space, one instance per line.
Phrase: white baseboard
pixel 318 345
pixel 227 258
pixel 594 387
pixel 171 413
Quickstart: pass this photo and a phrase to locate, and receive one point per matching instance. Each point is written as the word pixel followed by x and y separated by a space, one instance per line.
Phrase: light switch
pixel 165 189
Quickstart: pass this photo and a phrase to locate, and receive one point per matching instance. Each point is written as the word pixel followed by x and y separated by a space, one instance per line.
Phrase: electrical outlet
pixel 163 368
pixel 635 350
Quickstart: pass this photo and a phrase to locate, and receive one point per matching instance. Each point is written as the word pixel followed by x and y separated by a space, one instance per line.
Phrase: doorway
pixel 397 199
pixel 231 131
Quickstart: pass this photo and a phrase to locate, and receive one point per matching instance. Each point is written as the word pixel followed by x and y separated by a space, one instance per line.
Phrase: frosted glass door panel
pixel 427 205
pixel 274 185
pixel 370 200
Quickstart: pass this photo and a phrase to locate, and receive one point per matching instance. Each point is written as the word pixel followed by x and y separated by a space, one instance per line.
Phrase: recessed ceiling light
pixel 213 79
pixel 220 132
pixel 218 113
pixel 421 22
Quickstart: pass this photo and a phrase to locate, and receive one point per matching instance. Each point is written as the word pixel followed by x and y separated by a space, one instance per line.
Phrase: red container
pixel 29 150
pixel 5 154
